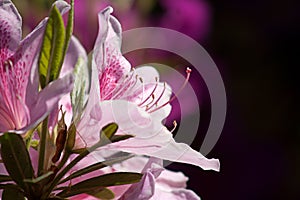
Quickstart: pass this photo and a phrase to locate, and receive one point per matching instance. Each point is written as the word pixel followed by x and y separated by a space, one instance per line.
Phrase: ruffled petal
pixel 162 145
pixel 151 137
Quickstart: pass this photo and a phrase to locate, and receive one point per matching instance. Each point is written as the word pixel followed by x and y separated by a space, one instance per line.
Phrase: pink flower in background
pixel 191 17
pixel 22 106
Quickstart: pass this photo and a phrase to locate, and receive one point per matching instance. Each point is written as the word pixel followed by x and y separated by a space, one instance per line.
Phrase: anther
pixel 175 126
pixel 188 71
pixel 156 83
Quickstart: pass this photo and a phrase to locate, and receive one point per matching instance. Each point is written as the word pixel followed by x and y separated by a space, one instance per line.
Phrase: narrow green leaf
pixel 5 178
pixel 118 138
pixel 68 35
pixel 3 186
pixel 16 158
pixel 39 179
pixel 56 198
pixel 79 151
pixel 70 25
pixel 108 132
pixel 12 193
pixel 96 166
pixel 113 179
pixel 51 55
pixel 103 194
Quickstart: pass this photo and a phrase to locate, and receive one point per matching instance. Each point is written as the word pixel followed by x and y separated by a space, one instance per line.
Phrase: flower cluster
pixel 83 127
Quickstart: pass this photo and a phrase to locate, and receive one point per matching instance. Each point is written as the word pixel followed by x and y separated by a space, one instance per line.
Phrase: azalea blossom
pixel 132 98
pixel 22 106
pixel 137 102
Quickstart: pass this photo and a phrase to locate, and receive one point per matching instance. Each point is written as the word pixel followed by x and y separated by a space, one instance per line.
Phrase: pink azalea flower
pixel 134 99
pixel 192 17
pixel 22 106
pixel 157 182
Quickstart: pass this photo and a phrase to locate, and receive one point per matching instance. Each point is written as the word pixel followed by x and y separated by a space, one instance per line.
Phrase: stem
pixel 28 140
pixel 60 175
pixel 63 160
pixel 42 145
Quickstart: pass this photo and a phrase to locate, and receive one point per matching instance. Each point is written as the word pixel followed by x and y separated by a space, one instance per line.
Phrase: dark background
pixel 256 44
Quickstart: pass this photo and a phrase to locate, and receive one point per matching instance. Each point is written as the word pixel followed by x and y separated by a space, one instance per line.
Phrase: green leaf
pixel 107 132
pixel 56 198
pixel 69 29
pixel 96 166
pixel 113 179
pixel 16 158
pixel 5 178
pixel 12 193
pixel 118 138
pixel 79 151
pixel 52 51
pixel 68 35
pixel 39 179
pixel 104 194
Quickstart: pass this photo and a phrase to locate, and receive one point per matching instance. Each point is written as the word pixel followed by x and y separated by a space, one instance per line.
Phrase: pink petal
pixel 180 194
pixel 10 28
pixel 142 190
pixel 103 18
pixel 47 99
pixel 172 179
pixel 15 73
pixel 151 137
pixel 62 6
pixel 75 51
pixel 163 146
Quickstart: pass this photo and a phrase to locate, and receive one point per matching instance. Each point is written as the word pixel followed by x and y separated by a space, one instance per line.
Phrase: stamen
pixel 188 71
pixel 160 96
pixel 156 80
pixel 175 126
pixel 147 106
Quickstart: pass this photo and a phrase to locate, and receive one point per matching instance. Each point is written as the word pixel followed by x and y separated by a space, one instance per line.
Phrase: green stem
pixel 29 138
pixel 42 145
pixel 60 175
